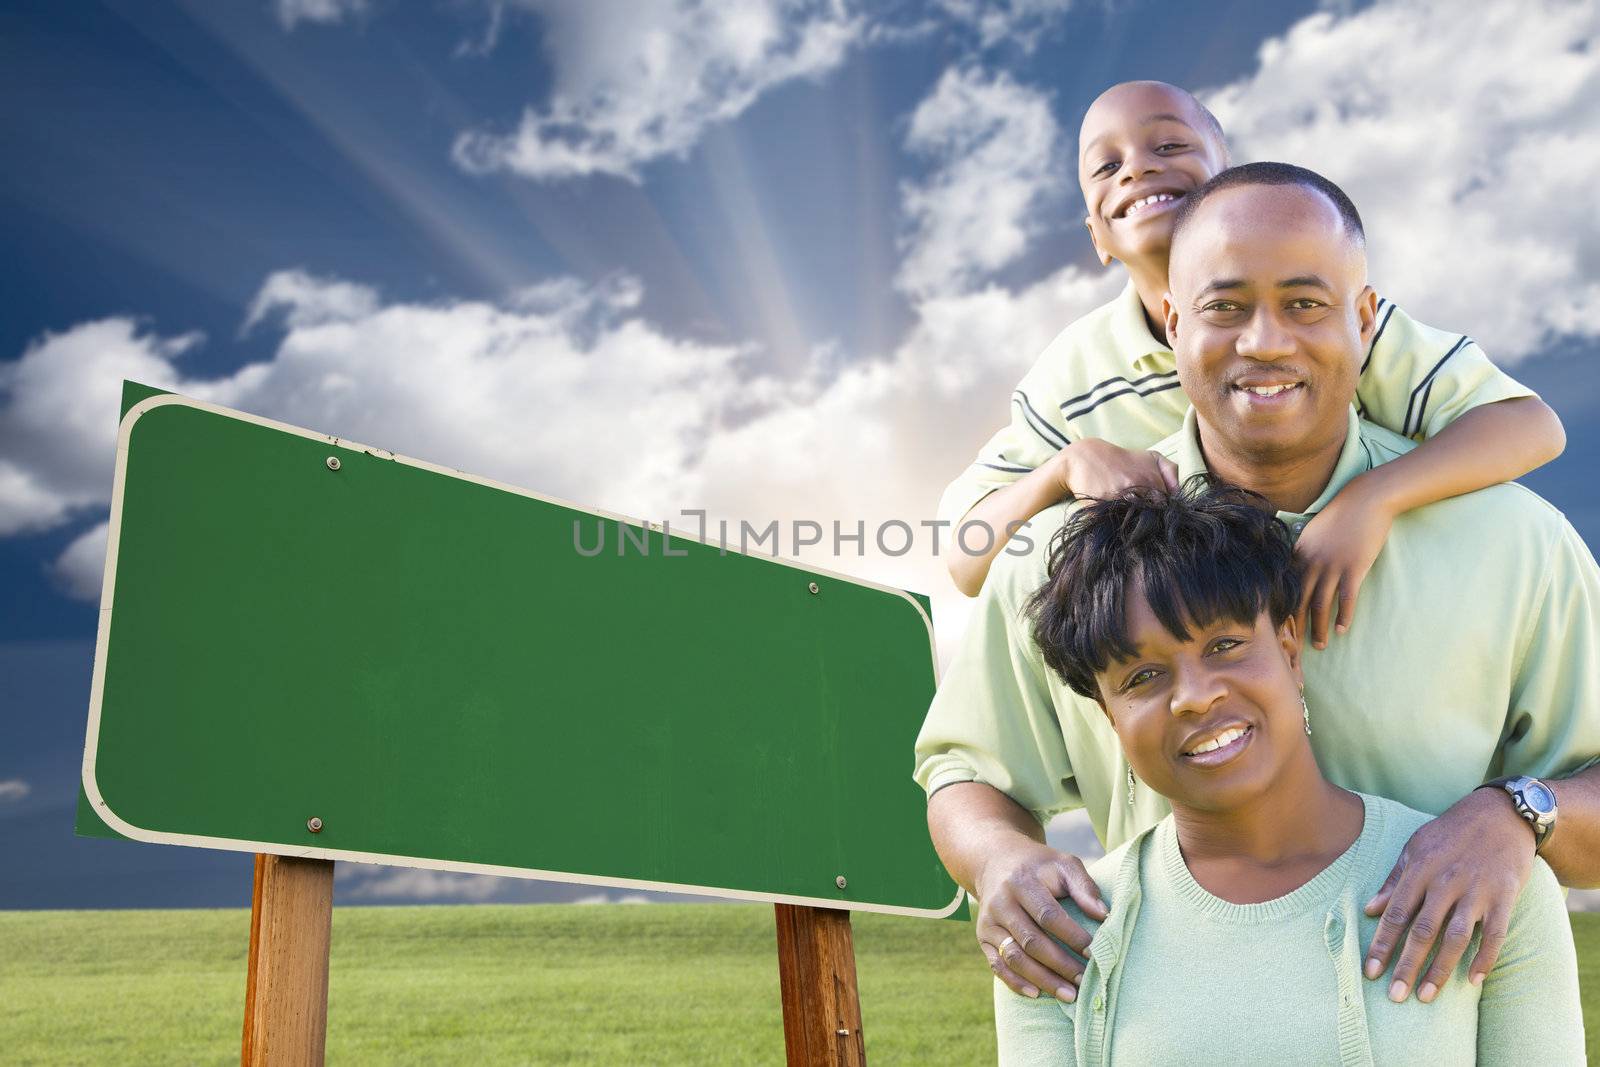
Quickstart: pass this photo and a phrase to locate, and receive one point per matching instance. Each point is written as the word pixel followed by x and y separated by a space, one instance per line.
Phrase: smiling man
pixel 1479 656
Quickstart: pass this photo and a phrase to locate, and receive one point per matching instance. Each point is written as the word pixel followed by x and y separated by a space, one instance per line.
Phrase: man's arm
pixel 994 760
pixel 1573 851
pixel 996 850
pixel 1467 866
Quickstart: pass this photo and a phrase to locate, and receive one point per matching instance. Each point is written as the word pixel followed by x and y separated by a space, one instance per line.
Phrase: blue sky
pixel 774 258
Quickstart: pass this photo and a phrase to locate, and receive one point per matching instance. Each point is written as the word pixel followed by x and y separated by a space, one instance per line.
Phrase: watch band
pixel 1541 819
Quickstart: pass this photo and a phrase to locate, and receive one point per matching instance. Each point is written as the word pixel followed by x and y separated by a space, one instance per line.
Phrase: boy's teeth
pixel 1144 202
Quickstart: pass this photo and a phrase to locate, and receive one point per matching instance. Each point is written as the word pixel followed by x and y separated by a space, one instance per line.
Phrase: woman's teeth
pixel 1222 740
pixel 1144 202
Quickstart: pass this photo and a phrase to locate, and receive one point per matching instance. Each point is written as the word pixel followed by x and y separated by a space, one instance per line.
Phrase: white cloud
pixel 604 898
pixel 415 883
pixel 880 439
pixel 14 789
pixel 1018 22
pixel 560 389
pixel 1469 145
pixel 80 569
pixel 58 416
pixel 325 12
pixel 310 301
pixel 637 80
pixel 993 143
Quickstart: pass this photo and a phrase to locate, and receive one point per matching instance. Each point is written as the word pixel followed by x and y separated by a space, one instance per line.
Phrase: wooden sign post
pixel 817 976
pixel 286 991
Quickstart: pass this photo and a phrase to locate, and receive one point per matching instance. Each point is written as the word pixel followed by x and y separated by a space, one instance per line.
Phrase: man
pixel 1478 656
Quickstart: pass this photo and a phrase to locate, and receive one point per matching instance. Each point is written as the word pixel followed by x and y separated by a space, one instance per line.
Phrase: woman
pixel 1236 923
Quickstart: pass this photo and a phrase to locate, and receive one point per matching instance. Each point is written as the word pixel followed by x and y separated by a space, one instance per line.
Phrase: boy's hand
pixel 1338 548
pixel 1099 469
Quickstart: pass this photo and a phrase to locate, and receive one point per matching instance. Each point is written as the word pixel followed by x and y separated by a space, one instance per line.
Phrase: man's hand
pixel 1338 548
pixel 1464 868
pixel 1099 469
pixel 1018 892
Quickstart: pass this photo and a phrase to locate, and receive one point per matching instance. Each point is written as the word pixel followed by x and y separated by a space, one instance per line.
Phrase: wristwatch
pixel 1534 801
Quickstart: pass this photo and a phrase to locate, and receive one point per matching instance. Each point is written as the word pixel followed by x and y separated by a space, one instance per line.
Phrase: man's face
pixel 1270 315
pixel 1142 140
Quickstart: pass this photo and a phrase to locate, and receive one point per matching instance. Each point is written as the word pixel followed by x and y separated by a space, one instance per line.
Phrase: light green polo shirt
pixel 1107 376
pixel 1176 975
pixel 1473 654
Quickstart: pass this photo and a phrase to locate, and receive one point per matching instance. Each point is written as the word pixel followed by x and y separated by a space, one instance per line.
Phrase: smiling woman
pixel 1174 612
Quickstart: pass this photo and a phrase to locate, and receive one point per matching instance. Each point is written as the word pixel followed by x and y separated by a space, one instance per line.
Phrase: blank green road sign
pixel 298 628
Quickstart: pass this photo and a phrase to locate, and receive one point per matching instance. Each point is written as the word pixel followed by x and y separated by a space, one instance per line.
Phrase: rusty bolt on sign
pixel 314 824
pixel 333 463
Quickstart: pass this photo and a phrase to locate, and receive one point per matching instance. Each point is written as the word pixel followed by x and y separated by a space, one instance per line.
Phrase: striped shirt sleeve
pixel 1025 443
pixel 1416 380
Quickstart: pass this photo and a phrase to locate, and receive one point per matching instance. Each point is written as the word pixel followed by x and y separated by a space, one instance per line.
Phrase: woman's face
pixel 1209 722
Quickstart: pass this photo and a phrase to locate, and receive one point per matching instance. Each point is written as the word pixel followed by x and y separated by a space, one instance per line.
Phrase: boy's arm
pixel 1479 427
pixel 1487 445
pixel 1089 467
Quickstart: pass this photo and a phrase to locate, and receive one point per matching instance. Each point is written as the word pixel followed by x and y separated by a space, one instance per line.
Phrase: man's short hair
pixel 1271 174
pixel 1209 551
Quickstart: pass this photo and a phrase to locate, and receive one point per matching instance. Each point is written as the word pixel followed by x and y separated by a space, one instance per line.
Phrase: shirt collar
pixel 1354 459
pixel 1130 332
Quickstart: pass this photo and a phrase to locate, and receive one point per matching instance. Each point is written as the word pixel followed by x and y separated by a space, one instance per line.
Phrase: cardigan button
pixel 1098 1003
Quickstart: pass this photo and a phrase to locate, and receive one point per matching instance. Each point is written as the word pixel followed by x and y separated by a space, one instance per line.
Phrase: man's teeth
pixel 1226 737
pixel 1269 390
pixel 1146 201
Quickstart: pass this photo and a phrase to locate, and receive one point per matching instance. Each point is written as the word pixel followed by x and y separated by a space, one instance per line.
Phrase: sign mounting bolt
pixel 314 824
pixel 333 463
pixel 840 882
pixel 814 587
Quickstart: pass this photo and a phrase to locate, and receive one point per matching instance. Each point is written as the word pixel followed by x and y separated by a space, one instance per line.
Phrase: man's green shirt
pixel 1475 652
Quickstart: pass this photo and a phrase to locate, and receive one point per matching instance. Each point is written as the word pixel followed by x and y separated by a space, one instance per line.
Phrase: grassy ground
pixel 550 984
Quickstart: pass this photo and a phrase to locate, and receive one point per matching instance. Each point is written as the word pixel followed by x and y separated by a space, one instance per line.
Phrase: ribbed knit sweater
pixel 1179 976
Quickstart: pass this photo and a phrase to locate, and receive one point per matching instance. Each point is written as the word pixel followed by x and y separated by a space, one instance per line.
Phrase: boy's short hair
pixel 1271 174
pixel 1207 552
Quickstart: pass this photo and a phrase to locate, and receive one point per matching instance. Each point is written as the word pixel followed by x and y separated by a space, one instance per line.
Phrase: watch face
pixel 1538 796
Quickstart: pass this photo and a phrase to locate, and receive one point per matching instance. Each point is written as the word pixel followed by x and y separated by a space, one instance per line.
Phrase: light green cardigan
pixel 1177 975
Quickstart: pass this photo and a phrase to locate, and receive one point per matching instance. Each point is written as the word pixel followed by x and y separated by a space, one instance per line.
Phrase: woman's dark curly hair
pixel 1209 551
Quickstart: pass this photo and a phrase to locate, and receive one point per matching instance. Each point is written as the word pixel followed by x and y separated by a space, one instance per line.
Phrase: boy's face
pixel 1142 140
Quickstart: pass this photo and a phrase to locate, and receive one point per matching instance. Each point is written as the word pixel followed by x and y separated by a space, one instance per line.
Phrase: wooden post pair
pixel 286 992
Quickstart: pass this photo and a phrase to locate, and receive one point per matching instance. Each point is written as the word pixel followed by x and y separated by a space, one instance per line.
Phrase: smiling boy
pixel 1107 387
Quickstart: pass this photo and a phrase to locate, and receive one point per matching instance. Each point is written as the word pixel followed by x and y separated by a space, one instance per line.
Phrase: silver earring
pixel 1305 711
pixel 1130 785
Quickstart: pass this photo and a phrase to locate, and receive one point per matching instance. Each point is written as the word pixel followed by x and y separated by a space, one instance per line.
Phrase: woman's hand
pixel 1464 868
pixel 1099 469
pixel 1337 549
pixel 1018 894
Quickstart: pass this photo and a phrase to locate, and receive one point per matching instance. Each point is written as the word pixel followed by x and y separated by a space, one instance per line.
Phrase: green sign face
pixel 312 648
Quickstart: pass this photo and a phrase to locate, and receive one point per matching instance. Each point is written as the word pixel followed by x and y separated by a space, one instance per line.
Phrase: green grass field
pixel 545 984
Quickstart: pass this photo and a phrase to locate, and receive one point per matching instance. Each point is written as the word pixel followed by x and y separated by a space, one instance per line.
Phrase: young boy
pixel 1106 388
